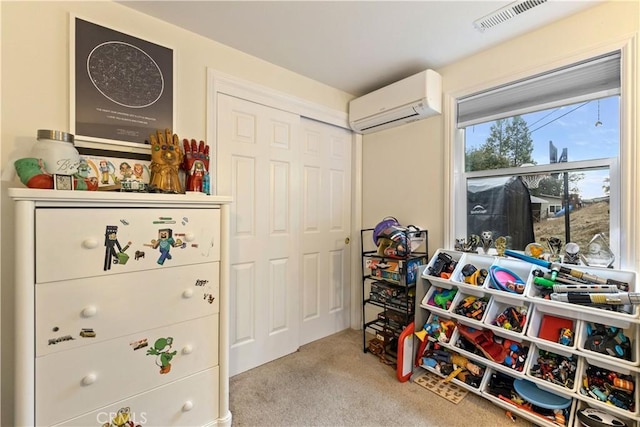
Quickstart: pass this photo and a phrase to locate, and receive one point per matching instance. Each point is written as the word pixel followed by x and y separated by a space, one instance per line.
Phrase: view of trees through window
pixel 559 136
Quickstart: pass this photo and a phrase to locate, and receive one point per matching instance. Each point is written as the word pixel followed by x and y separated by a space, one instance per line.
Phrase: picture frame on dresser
pixel 121 88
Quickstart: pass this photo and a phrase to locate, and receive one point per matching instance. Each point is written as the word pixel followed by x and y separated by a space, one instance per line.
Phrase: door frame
pixel 218 82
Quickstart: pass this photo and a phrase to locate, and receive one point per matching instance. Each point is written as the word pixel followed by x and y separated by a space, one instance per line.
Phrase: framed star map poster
pixel 122 88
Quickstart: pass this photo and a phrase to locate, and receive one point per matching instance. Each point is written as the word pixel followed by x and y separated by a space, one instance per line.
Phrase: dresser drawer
pixel 76 381
pixel 81 312
pixel 192 401
pixel 76 243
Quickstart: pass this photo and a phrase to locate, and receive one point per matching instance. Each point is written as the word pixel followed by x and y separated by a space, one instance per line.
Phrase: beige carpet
pixel 331 382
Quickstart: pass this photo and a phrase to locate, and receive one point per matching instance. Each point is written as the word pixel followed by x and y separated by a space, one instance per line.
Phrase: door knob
pixel 347 240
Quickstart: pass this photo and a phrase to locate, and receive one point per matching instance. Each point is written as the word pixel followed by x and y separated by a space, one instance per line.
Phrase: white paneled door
pixel 326 229
pixel 289 219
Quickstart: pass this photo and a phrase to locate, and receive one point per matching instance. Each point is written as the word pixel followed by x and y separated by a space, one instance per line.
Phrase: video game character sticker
pixel 123 418
pixel 111 243
pixel 162 349
pixel 164 243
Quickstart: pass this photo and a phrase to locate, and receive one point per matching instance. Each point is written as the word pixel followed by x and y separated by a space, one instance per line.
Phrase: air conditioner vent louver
pixel 410 99
pixel 505 13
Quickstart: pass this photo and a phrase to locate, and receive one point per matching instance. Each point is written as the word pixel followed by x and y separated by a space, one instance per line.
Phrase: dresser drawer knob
pixel 188 293
pixel 90 244
pixel 89 311
pixel 189 237
pixel 188 405
pixel 89 379
pixel 187 349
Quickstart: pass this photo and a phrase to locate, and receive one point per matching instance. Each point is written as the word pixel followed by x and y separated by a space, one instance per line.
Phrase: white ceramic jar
pixel 57 151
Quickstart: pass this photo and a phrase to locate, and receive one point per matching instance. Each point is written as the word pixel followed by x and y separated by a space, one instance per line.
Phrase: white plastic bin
pixel 554 381
pixel 608 347
pixel 544 328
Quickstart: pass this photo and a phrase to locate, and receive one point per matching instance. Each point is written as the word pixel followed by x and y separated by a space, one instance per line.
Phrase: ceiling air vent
pixel 503 14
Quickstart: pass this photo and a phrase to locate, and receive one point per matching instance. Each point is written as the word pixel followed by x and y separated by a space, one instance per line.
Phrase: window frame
pixel 624 178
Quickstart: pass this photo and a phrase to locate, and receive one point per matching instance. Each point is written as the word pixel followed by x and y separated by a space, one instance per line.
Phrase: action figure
pixel 104 171
pixel 501 245
pixel 486 238
pixel 196 164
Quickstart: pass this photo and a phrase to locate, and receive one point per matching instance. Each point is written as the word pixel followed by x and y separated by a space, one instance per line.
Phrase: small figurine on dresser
pixel 196 165
pixel 166 158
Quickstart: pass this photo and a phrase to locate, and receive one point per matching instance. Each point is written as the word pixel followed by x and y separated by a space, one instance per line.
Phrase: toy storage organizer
pixel 388 285
pixel 450 300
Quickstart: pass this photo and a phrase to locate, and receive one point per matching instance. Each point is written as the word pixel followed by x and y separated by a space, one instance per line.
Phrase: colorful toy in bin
pixel 474 276
pixel 436 330
pixel 472 307
pixel 506 280
pixel 555 368
pixel 566 337
pixel 610 387
pixel 443 297
pixel 608 340
pixel 512 318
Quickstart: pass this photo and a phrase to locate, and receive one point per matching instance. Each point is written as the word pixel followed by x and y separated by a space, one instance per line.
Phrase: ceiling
pixel 355 46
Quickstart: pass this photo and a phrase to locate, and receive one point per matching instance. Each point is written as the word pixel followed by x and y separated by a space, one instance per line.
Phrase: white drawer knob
pixel 90 244
pixel 89 311
pixel 189 237
pixel 187 349
pixel 187 293
pixel 188 405
pixel 89 379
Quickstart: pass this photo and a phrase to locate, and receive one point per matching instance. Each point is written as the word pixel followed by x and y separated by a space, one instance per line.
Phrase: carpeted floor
pixel 331 382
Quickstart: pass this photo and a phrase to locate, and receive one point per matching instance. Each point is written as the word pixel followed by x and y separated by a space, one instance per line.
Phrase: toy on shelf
pixel 473 275
pixel 555 368
pixel 506 280
pixel 592 417
pixel 195 164
pixel 608 340
pixel 547 406
pixel 472 307
pixel 512 318
pixel 556 329
pixel 436 330
pixel 470 245
pixel 452 365
pixel 486 240
pixel 443 266
pixel 483 341
pixel 442 297
pixel 609 387
pixel 166 158
pixel 571 272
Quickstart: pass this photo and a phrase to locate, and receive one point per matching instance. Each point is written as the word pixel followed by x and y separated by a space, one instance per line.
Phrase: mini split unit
pixel 408 100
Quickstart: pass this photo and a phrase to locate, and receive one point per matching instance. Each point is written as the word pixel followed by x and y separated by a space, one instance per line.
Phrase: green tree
pixel 509 144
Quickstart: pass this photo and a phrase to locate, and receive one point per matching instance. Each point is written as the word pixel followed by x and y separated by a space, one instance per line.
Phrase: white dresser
pixel 121 309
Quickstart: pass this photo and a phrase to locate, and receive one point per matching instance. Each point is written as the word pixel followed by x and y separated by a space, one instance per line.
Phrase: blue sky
pixel 572 127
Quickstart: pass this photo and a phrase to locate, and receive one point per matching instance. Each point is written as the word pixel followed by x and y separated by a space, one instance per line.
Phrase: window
pixel 539 158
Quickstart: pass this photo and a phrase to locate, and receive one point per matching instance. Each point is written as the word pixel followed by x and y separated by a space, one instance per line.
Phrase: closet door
pixel 326 229
pixel 290 179
pixel 259 167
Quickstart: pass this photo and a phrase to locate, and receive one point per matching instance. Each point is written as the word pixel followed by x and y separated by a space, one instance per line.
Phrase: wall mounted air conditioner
pixel 408 100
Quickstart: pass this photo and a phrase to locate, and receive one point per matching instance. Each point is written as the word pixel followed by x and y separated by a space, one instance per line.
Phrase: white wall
pixel 405 169
pixel 35 95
